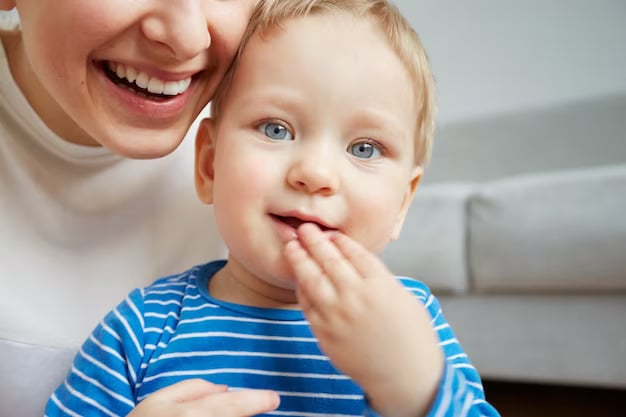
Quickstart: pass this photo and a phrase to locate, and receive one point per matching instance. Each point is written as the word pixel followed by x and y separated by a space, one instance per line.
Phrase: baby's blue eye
pixel 275 131
pixel 364 150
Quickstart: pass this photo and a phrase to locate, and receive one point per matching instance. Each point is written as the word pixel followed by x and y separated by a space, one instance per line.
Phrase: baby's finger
pixel 330 259
pixel 188 390
pixel 241 403
pixel 314 289
pixel 365 263
pixel 199 398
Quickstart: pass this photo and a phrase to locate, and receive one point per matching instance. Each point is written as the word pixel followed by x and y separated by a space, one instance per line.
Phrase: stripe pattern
pixel 174 330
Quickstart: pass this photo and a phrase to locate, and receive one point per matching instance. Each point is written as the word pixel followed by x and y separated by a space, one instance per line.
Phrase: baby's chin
pixel 283 291
pixel 283 279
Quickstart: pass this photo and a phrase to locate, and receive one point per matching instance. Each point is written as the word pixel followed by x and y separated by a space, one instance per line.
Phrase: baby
pixel 316 145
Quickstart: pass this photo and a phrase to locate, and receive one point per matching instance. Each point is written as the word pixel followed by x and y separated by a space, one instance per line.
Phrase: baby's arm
pixel 104 371
pixel 107 369
pixel 368 324
pixel 375 331
pixel 460 391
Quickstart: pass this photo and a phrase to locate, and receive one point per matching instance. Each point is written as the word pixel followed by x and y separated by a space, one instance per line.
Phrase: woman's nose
pixel 179 27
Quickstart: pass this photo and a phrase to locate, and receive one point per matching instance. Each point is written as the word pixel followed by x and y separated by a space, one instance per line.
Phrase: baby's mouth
pixel 142 84
pixel 295 222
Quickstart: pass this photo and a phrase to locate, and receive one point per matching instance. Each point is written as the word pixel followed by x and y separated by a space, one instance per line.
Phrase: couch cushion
pixel 431 246
pixel 29 374
pixel 557 339
pixel 560 231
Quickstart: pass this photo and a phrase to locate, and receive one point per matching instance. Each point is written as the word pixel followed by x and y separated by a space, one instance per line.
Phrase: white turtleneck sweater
pixel 80 226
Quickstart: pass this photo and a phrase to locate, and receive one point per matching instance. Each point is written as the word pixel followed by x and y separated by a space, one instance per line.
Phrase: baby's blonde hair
pixel 269 14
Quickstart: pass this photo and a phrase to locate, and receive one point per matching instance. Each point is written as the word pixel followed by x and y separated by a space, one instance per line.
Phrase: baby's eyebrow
pixel 379 120
pixel 278 97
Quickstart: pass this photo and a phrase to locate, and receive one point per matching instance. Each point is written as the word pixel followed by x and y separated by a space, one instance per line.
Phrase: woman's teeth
pixel 151 84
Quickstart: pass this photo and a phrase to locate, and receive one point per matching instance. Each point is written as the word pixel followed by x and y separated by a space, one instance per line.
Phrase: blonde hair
pixel 402 38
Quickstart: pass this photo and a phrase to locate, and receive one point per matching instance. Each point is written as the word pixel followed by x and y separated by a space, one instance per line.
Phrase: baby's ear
pixel 205 154
pixel 416 177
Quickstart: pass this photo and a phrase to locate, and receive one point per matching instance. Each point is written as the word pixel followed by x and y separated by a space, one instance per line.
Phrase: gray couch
pixel 520 228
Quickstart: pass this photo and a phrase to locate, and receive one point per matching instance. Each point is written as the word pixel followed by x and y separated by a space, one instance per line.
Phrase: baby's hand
pixel 367 323
pixel 196 397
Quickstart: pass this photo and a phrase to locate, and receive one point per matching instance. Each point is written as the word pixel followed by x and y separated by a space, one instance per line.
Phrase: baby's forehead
pixel 346 77
pixel 398 37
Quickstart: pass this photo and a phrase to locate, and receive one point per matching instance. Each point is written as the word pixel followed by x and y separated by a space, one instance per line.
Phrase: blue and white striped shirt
pixel 174 330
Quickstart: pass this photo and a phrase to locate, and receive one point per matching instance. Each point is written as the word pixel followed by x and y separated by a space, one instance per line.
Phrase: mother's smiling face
pixel 130 75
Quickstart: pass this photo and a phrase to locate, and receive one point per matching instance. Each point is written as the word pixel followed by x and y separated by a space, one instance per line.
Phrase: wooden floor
pixel 527 400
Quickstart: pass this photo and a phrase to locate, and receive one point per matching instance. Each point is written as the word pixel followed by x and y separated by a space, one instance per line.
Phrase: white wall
pixel 493 56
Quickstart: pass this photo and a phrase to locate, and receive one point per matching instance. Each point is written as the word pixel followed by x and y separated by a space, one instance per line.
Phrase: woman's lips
pixel 132 99
pixel 135 79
